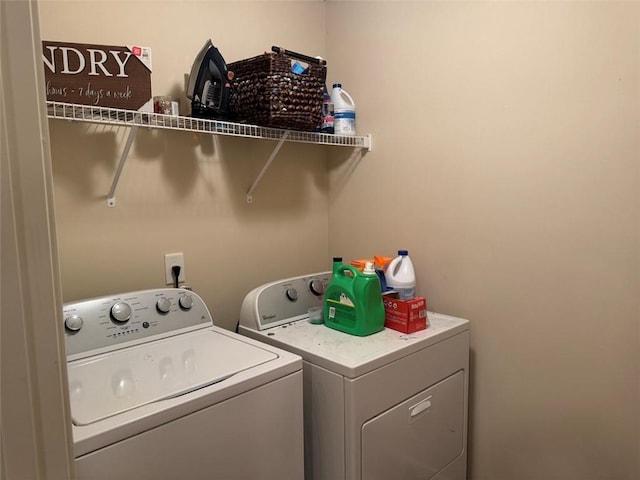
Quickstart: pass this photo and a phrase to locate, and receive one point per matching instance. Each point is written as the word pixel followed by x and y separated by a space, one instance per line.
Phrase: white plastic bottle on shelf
pixel 401 276
pixel 344 111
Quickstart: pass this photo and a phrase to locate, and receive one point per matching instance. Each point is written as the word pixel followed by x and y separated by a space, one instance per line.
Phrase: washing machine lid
pixel 112 383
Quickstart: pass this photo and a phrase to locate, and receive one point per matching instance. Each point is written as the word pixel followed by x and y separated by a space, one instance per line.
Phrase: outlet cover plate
pixel 171 259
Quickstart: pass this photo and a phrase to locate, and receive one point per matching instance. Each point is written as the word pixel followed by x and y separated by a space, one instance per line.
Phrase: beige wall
pixel 506 159
pixel 182 192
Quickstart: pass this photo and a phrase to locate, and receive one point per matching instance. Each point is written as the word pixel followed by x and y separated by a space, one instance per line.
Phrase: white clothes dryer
pixel 158 392
pixel 385 406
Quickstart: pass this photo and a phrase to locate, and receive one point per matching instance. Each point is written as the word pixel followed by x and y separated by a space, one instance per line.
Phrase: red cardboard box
pixel 406 316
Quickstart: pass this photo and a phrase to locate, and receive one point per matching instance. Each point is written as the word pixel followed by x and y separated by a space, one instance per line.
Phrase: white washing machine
pixel 385 406
pixel 158 392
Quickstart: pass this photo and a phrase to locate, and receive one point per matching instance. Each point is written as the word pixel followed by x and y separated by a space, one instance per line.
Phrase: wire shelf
pixel 129 118
pixel 134 119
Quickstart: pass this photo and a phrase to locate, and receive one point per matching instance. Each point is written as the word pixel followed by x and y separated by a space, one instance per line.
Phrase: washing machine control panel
pixel 112 322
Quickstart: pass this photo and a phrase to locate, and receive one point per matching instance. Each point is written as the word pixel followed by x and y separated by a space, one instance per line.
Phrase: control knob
pixel 316 287
pixel 73 323
pixel 186 302
pixel 121 312
pixel 292 294
pixel 163 305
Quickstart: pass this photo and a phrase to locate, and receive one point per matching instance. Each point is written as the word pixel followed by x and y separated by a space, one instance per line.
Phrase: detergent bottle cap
pixel 403 253
pixel 368 269
pixel 337 85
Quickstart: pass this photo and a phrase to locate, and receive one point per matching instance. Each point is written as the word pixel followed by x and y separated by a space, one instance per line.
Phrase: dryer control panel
pixel 107 323
pixel 284 301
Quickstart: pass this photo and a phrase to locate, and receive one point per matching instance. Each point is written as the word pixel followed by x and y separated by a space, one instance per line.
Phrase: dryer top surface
pixel 352 356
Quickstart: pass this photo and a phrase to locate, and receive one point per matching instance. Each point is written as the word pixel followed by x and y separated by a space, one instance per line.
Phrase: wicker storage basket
pixel 266 92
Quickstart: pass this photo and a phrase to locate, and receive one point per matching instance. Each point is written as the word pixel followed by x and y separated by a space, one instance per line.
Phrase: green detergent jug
pixel 353 302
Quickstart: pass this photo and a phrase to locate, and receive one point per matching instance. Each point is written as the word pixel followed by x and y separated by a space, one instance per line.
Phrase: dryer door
pixel 417 438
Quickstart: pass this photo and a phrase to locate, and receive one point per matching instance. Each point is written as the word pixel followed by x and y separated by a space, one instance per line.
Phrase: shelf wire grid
pixel 128 118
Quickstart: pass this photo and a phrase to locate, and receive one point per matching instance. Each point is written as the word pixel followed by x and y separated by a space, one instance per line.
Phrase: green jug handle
pixel 351 268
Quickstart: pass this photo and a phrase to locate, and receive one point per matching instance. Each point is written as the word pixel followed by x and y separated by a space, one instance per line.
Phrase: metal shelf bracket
pixel 266 165
pixel 111 199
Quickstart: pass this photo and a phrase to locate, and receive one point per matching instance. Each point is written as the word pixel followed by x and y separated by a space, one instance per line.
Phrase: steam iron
pixel 209 84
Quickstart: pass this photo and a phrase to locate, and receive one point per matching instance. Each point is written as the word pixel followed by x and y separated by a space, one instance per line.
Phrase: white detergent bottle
pixel 401 276
pixel 344 111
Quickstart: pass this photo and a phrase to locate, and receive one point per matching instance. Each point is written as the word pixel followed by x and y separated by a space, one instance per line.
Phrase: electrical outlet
pixel 170 260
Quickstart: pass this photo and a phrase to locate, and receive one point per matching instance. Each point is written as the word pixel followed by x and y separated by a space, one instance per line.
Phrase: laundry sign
pixel 99 75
